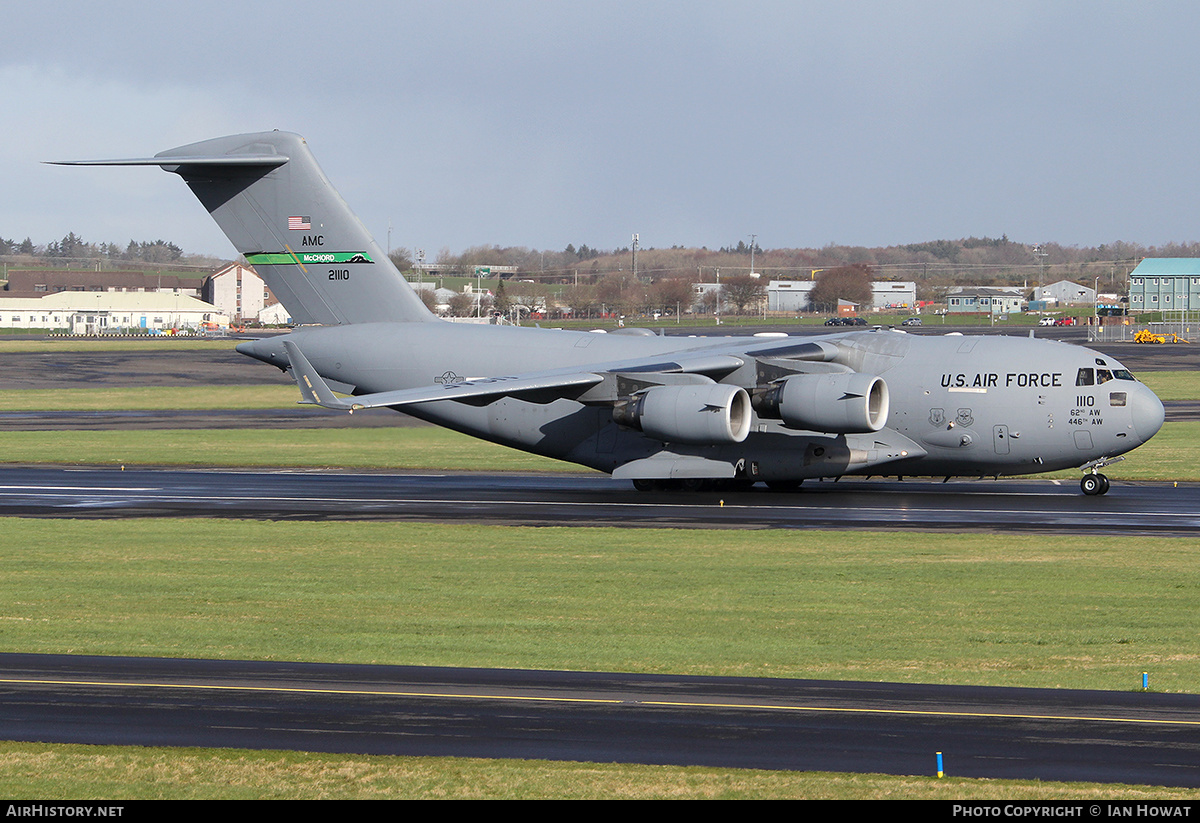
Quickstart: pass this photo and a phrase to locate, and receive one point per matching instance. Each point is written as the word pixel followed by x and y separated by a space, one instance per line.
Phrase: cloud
pixel 527 123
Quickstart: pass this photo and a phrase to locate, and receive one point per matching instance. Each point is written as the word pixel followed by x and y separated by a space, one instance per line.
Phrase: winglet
pixel 313 388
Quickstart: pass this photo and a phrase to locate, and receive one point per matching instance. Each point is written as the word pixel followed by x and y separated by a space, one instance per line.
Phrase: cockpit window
pixel 1096 377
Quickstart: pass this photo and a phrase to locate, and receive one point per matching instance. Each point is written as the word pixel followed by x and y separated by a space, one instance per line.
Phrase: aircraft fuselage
pixel 959 405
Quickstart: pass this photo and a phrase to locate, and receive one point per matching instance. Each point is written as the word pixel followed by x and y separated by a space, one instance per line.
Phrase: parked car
pixel 836 321
pixel 857 321
pixel 1065 321
pixel 912 321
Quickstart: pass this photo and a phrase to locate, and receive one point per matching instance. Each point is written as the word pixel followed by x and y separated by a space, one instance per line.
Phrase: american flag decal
pixel 299 224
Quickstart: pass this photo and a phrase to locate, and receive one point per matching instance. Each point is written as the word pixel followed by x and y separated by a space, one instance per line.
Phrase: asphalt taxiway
pixel 766 723
pixel 1040 506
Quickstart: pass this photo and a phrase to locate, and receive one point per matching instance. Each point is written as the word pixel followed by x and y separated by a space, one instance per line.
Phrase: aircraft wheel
pixel 1104 484
pixel 1093 484
pixel 696 484
pixel 644 485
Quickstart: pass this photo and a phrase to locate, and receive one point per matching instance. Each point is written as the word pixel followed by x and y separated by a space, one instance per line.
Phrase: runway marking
pixel 931 713
pixel 85 488
pixel 298 690
pixel 781 707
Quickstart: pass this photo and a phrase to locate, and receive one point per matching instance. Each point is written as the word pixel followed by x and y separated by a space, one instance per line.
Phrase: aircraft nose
pixel 1146 412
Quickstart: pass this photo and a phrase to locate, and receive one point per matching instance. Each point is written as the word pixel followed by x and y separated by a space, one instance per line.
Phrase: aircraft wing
pixel 317 392
pixel 694 365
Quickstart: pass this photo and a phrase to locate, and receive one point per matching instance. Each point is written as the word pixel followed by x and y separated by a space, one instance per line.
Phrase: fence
pixel 1182 324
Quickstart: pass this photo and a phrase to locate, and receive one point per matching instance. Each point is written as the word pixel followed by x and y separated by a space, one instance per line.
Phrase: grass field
pixel 151 398
pixel 987 609
pixel 975 609
pixel 92 344
pixel 1173 385
pixel 369 448
pixel 49 772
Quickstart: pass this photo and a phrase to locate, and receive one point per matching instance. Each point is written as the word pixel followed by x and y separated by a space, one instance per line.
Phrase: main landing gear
pixel 1094 484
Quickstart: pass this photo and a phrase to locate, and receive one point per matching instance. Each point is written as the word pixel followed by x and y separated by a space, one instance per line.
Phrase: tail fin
pixel 278 208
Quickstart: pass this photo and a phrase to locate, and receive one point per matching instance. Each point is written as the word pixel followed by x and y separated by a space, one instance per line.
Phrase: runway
pixel 1041 734
pixel 1040 506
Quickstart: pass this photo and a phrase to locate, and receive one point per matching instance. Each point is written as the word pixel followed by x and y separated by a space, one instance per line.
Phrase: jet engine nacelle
pixel 835 403
pixel 707 414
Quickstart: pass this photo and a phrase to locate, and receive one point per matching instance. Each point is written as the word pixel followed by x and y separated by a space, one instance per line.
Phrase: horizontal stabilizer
pixel 315 390
pixel 267 160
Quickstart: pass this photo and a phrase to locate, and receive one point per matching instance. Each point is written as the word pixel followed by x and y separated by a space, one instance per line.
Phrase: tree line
pixel 594 280
pixel 74 248
pixel 966 261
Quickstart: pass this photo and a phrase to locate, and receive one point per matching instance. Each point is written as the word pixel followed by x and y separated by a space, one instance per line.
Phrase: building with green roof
pixel 1169 284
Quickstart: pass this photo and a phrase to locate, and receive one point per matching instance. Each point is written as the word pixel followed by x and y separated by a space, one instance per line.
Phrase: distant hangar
pixel 792 295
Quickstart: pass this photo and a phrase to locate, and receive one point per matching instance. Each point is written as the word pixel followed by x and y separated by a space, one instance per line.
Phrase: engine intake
pixel 834 403
pixel 708 414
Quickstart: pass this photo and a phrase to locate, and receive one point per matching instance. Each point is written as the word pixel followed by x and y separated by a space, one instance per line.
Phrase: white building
pixel 894 294
pixel 275 315
pixel 238 291
pixel 793 295
pixel 1065 293
pixel 789 295
pixel 985 299
pixel 108 312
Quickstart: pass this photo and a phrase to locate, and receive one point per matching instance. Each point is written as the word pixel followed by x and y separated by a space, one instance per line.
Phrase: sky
pixel 543 124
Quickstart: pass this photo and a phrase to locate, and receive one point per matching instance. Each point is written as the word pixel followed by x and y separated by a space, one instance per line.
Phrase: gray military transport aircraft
pixel 659 411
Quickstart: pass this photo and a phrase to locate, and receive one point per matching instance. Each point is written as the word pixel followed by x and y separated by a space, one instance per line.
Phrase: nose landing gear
pixel 1094 484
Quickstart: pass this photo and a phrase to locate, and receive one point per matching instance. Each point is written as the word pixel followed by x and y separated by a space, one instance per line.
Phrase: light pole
pixel 718 307
pixel 1041 256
